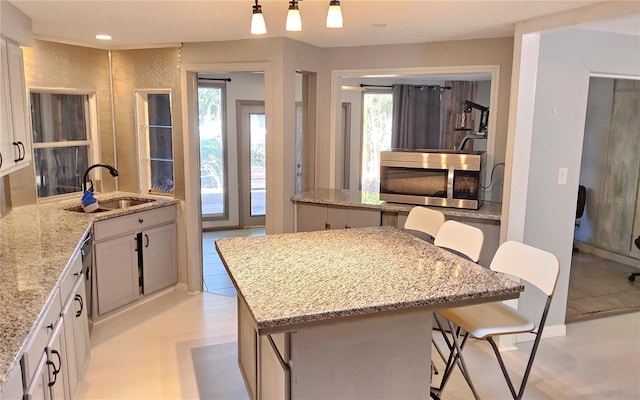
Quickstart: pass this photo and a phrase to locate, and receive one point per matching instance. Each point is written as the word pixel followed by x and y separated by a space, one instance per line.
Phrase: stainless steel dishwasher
pixel 87 267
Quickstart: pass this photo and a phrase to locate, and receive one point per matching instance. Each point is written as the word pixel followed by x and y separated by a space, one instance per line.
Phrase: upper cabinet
pixel 15 138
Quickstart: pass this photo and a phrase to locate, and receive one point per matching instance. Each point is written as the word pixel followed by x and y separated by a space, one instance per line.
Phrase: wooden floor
pixel 182 346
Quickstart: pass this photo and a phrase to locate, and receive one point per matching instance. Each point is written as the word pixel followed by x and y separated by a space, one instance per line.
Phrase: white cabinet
pixel 15 142
pixel 117 272
pixel 76 328
pixel 44 364
pixel 135 255
pixel 311 217
pixel 159 258
pixel 13 385
pixel 56 358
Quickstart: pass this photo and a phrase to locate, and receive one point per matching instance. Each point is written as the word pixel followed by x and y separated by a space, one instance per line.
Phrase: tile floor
pixel 214 274
pixel 599 287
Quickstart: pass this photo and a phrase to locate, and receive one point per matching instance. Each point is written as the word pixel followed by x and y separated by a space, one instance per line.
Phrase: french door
pixel 252 156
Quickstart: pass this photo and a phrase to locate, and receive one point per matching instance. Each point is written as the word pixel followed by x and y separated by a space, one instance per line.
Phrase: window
pixel 211 118
pixel 63 125
pixel 377 113
pixel 155 141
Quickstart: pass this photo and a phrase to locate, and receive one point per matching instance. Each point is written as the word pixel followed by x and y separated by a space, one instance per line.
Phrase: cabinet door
pixel 57 362
pixel 12 385
pixel 81 327
pixel 159 258
pixel 116 273
pixel 359 218
pixel 6 127
pixel 39 387
pixel 310 217
pixel 19 108
pixel 70 348
pixel 337 218
pixel 76 329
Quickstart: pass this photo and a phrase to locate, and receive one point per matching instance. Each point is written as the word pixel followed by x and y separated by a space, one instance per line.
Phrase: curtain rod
pixel 433 87
pixel 215 79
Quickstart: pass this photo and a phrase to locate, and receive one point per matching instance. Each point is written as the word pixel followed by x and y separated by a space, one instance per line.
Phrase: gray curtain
pixel 416 117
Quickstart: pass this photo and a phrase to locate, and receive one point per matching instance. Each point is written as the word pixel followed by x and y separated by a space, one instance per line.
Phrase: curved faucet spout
pixel 112 171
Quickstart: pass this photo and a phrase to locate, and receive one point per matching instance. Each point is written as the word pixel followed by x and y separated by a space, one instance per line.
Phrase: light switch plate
pixel 562 176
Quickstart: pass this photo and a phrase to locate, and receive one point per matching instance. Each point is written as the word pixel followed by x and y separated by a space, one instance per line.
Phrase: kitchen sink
pixel 113 204
pixel 117 204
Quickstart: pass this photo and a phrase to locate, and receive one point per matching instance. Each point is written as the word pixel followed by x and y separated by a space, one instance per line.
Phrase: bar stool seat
pixel 482 320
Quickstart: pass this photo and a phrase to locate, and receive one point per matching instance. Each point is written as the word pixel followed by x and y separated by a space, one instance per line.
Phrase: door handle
pixel 24 153
pixel 19 152
pixel 147 239
pixel 78 298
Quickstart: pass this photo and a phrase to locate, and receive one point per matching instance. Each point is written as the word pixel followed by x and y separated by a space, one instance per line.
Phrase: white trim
pixel 192 207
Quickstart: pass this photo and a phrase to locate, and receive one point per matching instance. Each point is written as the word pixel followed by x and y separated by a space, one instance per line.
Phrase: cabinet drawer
pixel 133 222
pixel 71 275
pixel 42 331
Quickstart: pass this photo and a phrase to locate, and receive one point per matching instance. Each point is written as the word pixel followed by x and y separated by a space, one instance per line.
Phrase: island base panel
pixel 372 358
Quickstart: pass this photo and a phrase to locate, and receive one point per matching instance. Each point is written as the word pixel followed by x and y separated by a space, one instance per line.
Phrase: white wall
pixel 567 58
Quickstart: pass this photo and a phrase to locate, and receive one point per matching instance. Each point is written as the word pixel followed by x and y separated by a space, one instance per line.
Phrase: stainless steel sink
pixel 114 204
pixel 117 204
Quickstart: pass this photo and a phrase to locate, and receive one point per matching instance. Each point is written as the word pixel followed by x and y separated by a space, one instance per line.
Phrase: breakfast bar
pixel 346 313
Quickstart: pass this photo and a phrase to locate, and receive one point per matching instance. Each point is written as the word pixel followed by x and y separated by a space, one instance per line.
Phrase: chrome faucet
pixel 112 171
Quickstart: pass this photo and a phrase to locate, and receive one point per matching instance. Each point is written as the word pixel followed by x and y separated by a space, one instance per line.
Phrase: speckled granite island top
pixel 36 243
pixel 296 279
pixel 353 198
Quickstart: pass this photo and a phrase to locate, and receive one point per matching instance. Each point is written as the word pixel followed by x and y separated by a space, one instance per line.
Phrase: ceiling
pixel 153 23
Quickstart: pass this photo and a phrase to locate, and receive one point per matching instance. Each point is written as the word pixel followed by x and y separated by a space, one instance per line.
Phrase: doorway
pixel 605 233
pixel 251 162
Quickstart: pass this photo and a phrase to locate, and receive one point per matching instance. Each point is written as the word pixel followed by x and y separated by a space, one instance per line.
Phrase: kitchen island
pixel 345 313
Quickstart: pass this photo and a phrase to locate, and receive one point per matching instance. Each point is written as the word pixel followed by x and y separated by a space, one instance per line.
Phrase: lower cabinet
pixel 311 217
pixel 117 272
pixel 57 356
pixel 13 385
pixel 135 255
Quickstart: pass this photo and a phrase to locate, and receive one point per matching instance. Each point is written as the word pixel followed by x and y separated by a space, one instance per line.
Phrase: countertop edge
pixel 490 211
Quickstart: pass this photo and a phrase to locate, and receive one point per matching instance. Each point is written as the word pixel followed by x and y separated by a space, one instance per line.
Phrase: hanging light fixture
pixel 258 26
pixel 334 16
pixel 294 22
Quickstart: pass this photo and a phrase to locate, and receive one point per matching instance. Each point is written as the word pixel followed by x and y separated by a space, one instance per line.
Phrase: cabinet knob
pixel 140 220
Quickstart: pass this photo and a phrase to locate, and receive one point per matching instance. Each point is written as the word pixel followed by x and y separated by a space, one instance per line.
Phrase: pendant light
pixel 334 16
pixel 294 22
pixel 258 26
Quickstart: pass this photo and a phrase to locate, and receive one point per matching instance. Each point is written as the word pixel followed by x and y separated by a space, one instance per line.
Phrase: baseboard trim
pixel 181 287
pixel 596 251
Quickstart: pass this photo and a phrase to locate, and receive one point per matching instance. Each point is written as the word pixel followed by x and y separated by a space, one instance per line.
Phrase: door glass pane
pixel 376 136
pixel 59 170
pixel 212 185
pixel 258 177
pixel 160 142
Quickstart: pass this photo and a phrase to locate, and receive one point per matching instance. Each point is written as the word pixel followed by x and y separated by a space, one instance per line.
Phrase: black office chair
pixel 633 275
pixel 582 201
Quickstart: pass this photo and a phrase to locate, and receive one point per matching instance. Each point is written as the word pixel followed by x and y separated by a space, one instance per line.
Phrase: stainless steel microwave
pixel 432 178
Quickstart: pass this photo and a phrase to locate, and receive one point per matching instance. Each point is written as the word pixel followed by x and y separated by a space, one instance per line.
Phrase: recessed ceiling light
pixel 103 37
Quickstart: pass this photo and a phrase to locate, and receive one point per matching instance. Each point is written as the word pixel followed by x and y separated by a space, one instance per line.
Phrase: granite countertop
pixel 36 244
pixel 353 198
pixel 297 279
